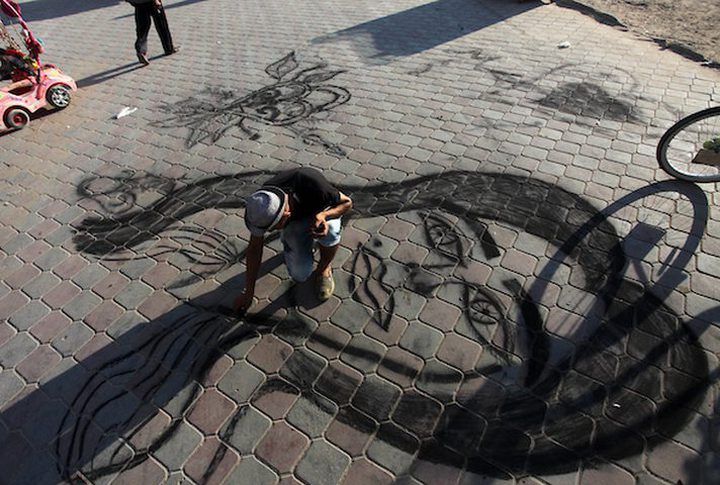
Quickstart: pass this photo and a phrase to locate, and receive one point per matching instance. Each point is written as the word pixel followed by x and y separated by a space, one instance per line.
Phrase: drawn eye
pixel 486 316
pixel 484 308
pixel 442 235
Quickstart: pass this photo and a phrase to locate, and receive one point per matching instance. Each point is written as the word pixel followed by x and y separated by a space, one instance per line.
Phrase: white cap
pixel 264 209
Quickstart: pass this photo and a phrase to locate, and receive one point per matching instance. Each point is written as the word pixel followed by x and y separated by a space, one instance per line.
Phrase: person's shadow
pixel 108 74
pixel 418 29
pixel 50 9
pixel 167 6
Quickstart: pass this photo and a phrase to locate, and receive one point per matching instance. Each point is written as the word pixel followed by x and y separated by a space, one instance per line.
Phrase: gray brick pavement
pixel 443 352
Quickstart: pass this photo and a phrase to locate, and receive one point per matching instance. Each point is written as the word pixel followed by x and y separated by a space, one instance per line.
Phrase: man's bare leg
pixel 325 282
pixel 327 254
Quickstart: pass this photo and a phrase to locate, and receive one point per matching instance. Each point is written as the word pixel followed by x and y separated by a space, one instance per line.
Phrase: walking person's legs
pixel 142 28
pixel 163 30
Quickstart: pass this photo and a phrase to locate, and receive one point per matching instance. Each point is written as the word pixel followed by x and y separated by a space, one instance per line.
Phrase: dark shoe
pixel 142 58
pixel 173 51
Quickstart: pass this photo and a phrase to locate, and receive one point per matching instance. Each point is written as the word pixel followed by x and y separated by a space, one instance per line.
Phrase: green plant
pixel 713 144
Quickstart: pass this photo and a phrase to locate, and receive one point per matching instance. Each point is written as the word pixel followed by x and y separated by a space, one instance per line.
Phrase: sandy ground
pixel 694 24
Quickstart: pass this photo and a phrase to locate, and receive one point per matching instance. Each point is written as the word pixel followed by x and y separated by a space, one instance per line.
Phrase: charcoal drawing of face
pixel 535 353
pixel 572 351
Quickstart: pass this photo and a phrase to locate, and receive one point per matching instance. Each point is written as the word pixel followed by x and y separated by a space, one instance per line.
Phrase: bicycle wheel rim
pixel 683 153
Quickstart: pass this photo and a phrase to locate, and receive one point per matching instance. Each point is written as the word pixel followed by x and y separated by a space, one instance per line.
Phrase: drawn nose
pixel 420 281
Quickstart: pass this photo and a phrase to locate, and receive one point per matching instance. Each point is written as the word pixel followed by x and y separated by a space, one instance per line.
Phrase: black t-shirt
pixel 310 190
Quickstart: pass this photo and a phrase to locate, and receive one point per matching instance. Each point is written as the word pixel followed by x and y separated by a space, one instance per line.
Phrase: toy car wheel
pixel 16 118
pixel 58 96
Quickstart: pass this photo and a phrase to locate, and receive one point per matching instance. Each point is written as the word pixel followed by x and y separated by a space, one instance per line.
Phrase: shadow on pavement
pixel 421 28
pixel 108 74
pixel 50 9
pixel 168 6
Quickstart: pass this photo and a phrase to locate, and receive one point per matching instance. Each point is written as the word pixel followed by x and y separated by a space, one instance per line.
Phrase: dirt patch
pixel 692 24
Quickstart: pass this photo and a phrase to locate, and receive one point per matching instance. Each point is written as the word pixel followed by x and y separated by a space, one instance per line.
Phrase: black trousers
pixel 143 15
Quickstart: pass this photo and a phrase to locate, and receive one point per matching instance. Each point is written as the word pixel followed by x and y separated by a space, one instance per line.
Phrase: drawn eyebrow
pixel 489 246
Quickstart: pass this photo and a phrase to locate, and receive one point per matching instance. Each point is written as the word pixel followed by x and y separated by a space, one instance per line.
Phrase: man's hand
pixel 320 227
pixel 158 4
pixel 243 302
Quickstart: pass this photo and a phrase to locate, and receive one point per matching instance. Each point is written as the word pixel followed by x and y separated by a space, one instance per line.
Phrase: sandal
pixel 326 287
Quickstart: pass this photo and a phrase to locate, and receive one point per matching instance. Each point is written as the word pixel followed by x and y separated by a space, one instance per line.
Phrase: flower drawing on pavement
pixel 296 96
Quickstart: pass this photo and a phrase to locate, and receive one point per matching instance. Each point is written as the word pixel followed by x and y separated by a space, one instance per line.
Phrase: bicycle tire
pixel 681 144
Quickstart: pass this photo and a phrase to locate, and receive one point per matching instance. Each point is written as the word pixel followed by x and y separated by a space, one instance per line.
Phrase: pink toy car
pixel 50 89
pixel 34 85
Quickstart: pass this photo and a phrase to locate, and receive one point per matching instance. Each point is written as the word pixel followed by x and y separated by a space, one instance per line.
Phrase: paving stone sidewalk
pixel 523 296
